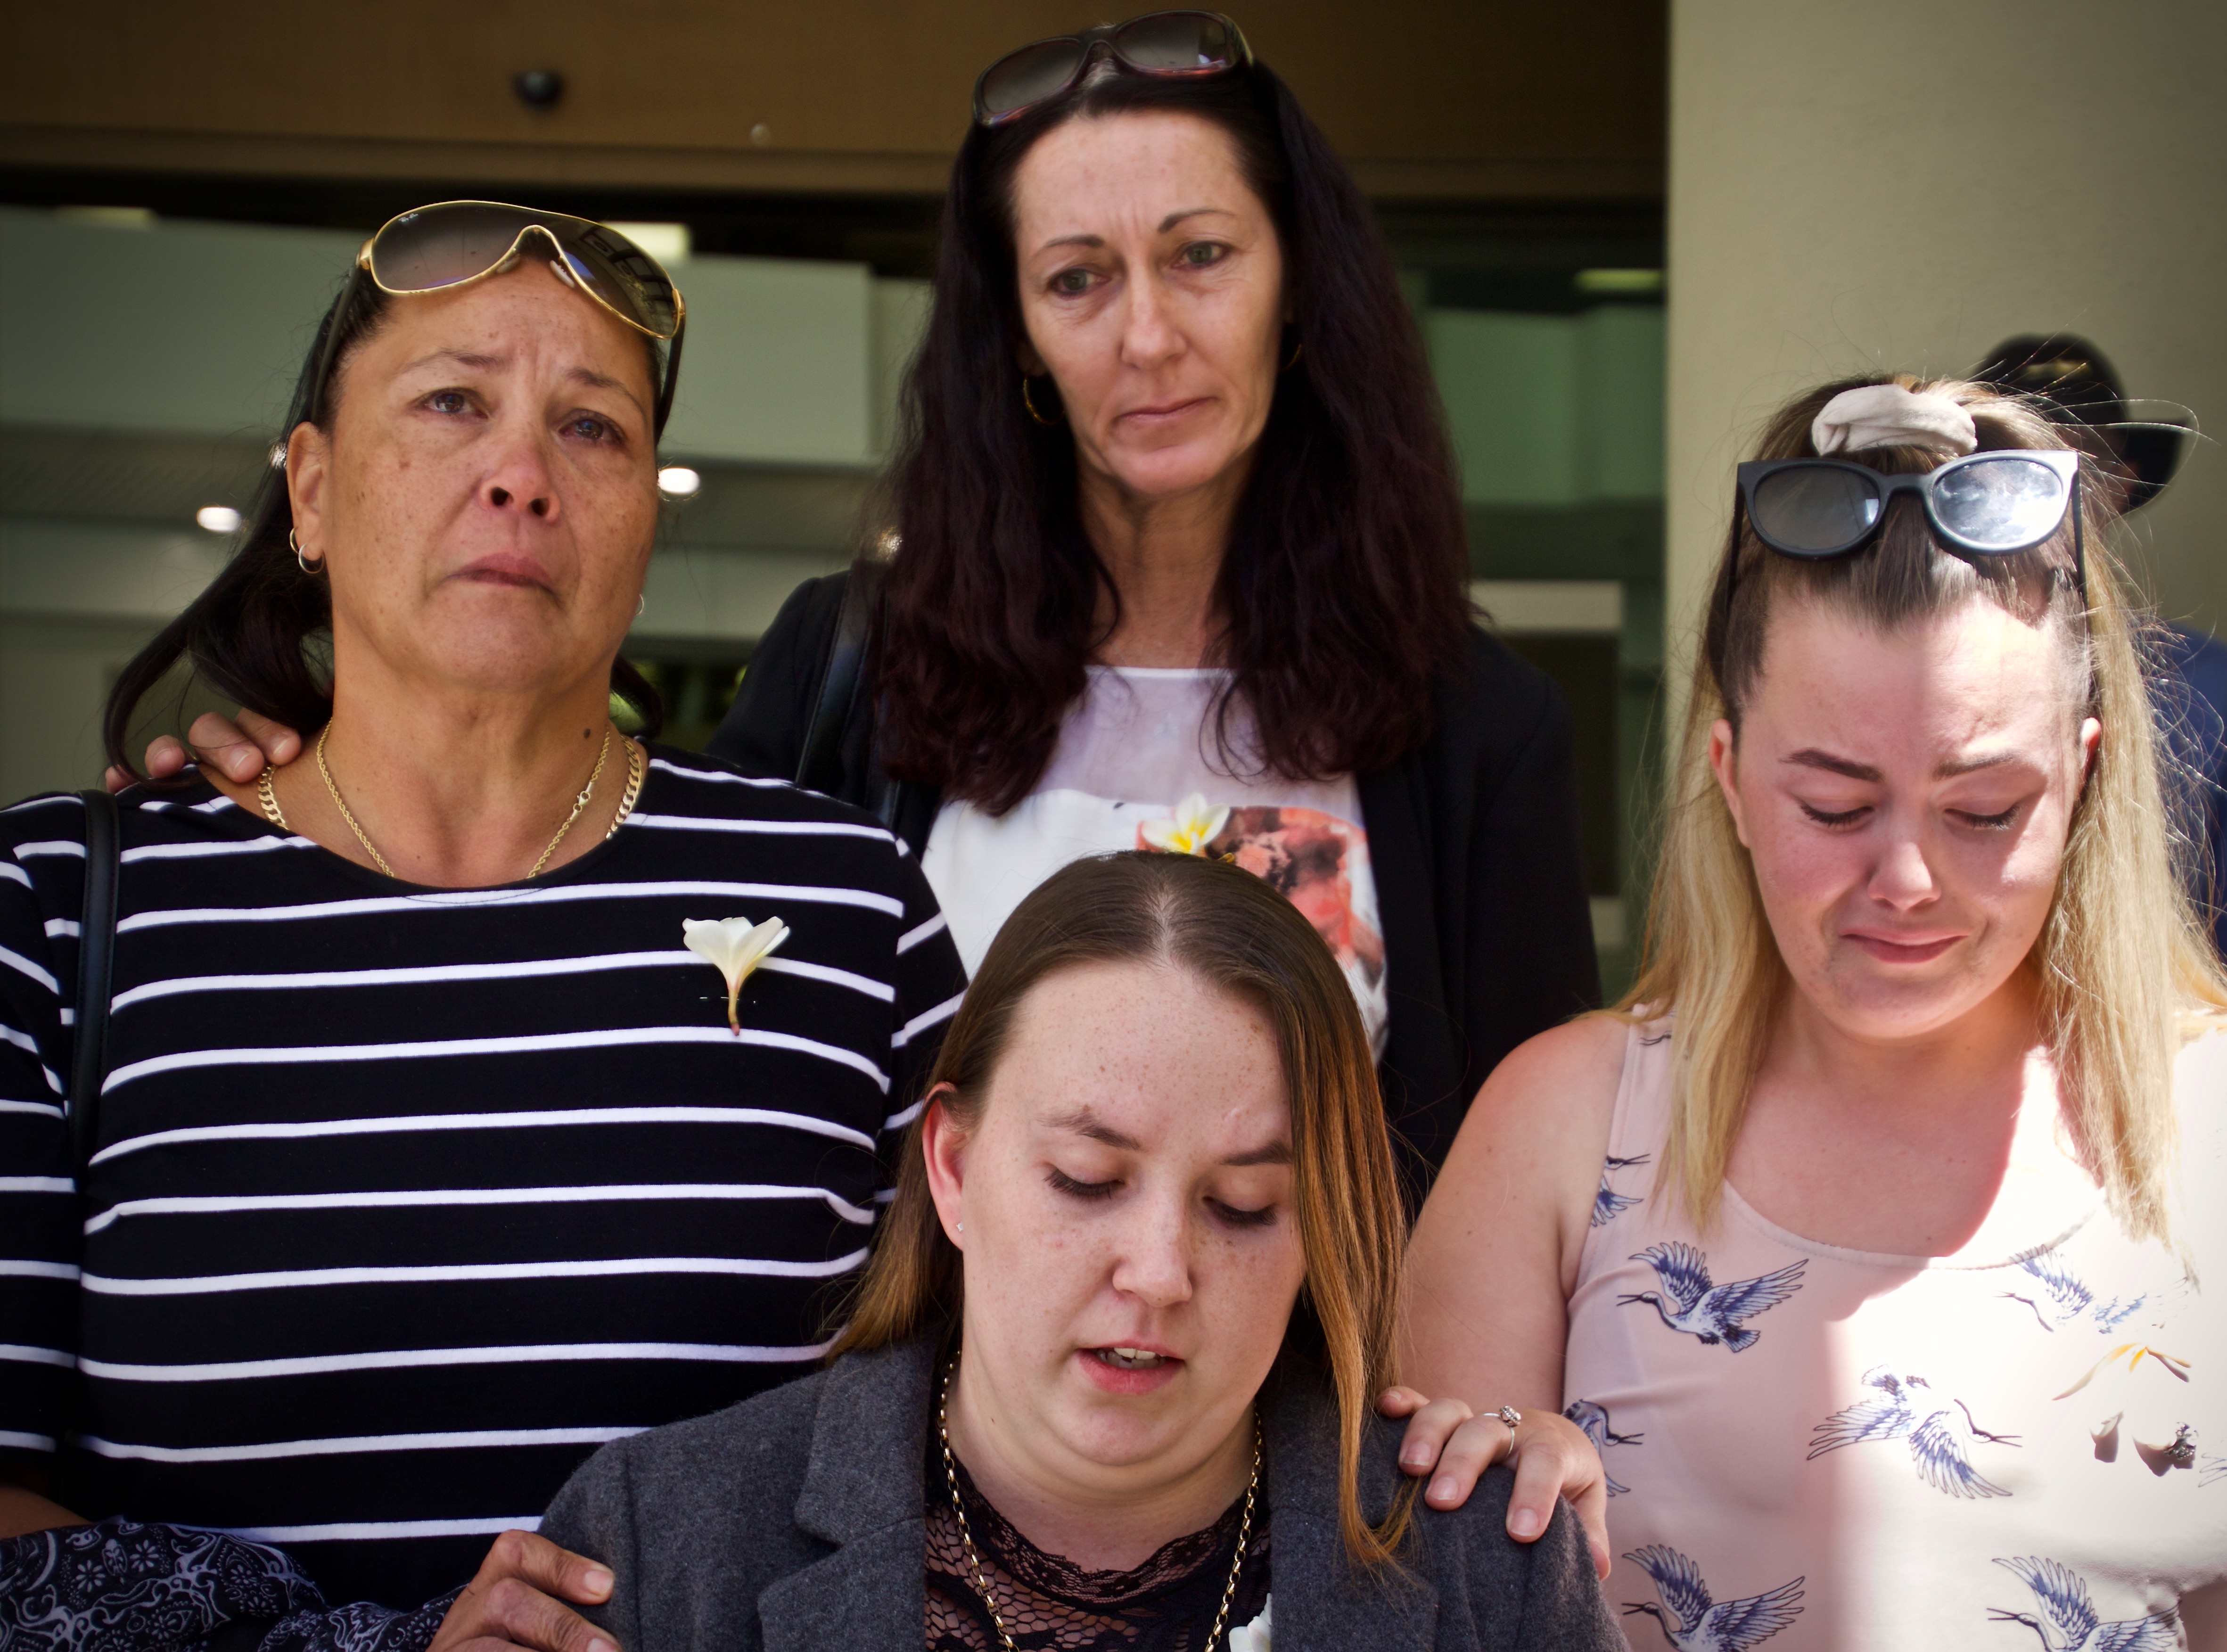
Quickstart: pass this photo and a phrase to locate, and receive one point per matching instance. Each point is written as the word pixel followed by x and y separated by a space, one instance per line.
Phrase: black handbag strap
pixel 96 956
pixel 819 767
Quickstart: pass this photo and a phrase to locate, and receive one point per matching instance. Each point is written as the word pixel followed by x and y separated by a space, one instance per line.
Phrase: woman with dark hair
pixel 1107 1381
pixel 1180 563
pixel 432 1142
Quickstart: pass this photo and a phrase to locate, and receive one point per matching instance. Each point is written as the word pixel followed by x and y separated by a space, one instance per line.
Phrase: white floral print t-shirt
pixel 1137 767
pixel 1811 1449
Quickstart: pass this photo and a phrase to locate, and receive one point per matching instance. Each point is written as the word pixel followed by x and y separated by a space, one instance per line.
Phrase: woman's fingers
pixel 1431 1424
pixel 1551 1455
pixel 164 758
pixel 223 743
pixel 279 743
pixel 1554 1459
pixel 1474 1446
pixel 517 1601
pixel 241 748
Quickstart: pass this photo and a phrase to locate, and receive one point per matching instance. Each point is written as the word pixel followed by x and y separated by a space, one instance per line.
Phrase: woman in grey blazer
pixel 1106 1378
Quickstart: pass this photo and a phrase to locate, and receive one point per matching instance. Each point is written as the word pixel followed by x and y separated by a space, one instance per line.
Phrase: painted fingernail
pixel 1523 1524
pixel 598 1580
pixel 1444 1488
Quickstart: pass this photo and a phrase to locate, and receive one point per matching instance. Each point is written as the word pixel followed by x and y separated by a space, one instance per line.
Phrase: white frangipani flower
pixel 736 946
pixel 1194 825
pixel 1254 1636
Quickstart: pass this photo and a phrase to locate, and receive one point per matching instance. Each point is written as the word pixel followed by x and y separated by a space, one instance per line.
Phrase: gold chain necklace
pixel 974 1561
pixel 267 793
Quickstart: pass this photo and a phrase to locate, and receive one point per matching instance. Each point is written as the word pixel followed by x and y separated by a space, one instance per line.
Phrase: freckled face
pixel 487 503
pixel 1152 287
pixel 1128 1187
pixel 1906 798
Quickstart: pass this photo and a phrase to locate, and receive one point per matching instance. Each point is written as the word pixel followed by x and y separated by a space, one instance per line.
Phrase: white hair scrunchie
pixel 1883 416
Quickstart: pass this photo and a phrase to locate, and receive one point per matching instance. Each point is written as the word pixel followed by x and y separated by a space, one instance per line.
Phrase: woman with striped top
pixel 429 1154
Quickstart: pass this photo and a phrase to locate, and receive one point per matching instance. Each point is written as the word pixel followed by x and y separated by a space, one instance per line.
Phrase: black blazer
pixel 796 1521
pixel 1472 838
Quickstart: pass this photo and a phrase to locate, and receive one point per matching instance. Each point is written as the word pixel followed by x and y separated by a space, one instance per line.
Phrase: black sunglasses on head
pixel 1158 43
pixel 1991 504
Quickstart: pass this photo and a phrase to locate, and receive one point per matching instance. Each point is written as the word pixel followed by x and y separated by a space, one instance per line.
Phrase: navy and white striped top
pixel 407 1199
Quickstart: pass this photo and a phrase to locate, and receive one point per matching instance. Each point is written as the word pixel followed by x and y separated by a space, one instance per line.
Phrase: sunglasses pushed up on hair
pixel 1994 503
pixel 455 243
pixel 1990 504
pixel 1160 43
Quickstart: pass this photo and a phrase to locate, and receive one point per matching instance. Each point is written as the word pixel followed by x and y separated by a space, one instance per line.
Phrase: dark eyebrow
pixel 1175 218
pixel 1276 1153
pixel 1958 766
pixel 462 358
pixel 1083 1122
pixel 605 381
pixel 1166 224
pixel 1813 758
pixel 483 363
pixel 1810 757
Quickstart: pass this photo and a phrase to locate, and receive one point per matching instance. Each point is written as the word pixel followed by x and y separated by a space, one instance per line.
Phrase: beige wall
pixel 1899 186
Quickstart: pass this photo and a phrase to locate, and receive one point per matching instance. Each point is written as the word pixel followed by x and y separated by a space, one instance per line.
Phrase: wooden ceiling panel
pixel 708 91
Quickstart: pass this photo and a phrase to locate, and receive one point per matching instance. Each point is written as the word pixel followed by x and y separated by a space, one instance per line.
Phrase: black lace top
pixel 1166 1604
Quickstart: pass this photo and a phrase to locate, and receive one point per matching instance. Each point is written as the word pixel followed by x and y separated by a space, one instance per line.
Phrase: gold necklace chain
pixel 267 794
pixel 974 1561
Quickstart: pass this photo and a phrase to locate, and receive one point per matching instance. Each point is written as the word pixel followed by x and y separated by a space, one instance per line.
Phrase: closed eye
pixel 1264 1217
pixel 1987 822
pixel 1836 817
pixel 1063 1183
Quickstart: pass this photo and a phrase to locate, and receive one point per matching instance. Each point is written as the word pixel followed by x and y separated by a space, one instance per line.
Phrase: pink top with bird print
pixel 2022 1446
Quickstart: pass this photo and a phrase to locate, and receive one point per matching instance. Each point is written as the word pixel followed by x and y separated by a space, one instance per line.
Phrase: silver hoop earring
pixel 307 567
pixel 641 605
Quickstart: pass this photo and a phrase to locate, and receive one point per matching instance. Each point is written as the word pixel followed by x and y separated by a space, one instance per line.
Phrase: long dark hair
pixel 250 635
pixel 1344 585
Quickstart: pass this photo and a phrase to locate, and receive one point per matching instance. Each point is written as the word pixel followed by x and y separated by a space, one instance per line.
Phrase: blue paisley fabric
pixel 125 1587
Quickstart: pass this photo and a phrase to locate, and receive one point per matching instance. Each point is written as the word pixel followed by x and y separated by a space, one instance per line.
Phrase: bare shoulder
pixel 1579 1062
pixel 1543 1116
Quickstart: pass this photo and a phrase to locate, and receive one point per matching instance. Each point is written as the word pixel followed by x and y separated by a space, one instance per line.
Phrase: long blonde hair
pixel 1231 931
pixel 2124 970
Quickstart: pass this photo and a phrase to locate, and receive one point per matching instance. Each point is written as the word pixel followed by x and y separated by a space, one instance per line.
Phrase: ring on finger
pixel 1513 1419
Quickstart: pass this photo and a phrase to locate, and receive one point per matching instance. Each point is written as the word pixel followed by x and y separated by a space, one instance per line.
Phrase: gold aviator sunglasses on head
pixel 455 243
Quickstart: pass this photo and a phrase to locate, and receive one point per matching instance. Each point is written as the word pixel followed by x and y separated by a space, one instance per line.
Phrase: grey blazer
pixel 794 1520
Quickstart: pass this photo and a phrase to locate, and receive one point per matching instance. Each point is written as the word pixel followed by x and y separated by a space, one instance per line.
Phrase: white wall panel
pixel 180 328
pixel 777 367
pixel 189 328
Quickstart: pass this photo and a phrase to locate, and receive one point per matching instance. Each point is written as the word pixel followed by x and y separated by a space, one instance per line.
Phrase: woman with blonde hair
pixel 1858 1235
pixel 1107 1381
